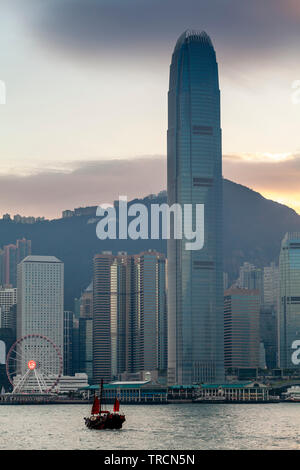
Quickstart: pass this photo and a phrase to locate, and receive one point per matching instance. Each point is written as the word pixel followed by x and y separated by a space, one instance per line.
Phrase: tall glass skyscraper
pixel 289 312
pixel 195 278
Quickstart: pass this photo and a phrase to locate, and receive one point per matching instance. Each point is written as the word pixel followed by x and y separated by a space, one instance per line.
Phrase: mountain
pixel 253 230
pixel 253 227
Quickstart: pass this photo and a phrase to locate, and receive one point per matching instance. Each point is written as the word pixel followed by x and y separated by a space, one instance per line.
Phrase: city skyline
pixel 77 129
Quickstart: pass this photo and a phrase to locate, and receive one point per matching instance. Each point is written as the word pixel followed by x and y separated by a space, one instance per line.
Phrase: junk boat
pixel 103 419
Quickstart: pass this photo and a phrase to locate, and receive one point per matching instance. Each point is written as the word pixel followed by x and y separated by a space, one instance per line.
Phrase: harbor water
pixel 156 427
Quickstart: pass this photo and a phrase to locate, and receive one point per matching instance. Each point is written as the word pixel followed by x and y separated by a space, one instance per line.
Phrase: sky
pixel 85 113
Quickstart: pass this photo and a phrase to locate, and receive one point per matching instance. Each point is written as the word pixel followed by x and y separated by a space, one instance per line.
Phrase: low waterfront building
pixel 130 392
pixel 243 391
pixel 182 392
pixel 66 383
pixel 72 383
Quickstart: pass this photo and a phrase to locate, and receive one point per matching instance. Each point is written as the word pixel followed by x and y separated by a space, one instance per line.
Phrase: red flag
pixel 96 406
pixel 116 405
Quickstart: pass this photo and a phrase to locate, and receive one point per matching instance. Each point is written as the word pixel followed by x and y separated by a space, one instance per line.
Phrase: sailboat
pixel 103 419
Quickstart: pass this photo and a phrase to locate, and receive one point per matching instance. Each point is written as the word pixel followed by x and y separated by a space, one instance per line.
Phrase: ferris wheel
pixel 34 364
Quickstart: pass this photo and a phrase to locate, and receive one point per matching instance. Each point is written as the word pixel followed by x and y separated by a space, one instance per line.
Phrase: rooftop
pixel 194 36
pixel 41 259
pixel 234 385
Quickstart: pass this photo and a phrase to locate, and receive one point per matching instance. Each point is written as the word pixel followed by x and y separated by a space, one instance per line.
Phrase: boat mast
pixel 101 392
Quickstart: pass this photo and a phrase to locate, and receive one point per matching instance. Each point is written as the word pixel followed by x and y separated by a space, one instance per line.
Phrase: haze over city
pixel 86 98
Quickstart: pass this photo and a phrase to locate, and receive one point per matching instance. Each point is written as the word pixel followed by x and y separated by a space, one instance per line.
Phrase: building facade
pixel 109 318
pixel 150 312
pixel 40 301
pixel 8 299
pixel 11 256
pixel 271 286
pixel 241 328
pixel 195 277
pixel 7 338
pixel 289 313
pixel 68 342
pixel 129 320
pixel 86 347
pixel 268 335
pixel 251 278
pixel 10 265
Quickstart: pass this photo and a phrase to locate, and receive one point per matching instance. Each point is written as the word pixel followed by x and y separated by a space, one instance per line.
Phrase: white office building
pixel 40 311
pixel 8 298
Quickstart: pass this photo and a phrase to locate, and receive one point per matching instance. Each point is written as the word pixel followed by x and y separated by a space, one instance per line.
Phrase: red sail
pixel 116 405
pixel 96 406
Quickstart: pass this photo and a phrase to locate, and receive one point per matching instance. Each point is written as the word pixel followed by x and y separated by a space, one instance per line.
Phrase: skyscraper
pixel 86 302
pixel 8 299
pixel 271 286
pixel 268 334
pixel 23 249
pixel 241 328
pixel 110 315
pixel 269 315
pixel 68 342
pixel 11 256
pixel 129 321
pixel 289 313
pixel 86 332
pixel 251 278
pixel 195 278
pixel 40 301
pixel 10 265
pixel 150 312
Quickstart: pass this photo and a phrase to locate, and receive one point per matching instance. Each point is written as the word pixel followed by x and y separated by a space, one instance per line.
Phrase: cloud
pixel 48 192
pixel 276 178
pixel 91 27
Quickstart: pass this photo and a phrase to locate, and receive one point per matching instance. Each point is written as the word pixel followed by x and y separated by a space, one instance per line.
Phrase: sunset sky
pixel 86 81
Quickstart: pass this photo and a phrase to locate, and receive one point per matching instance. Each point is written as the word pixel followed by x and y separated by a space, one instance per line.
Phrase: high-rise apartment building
pixel 85 325
pixel 11 256
pixel 268 335
pixel 251 278
pixel 86 347
pixel 10 265
pixel 86 302
pixel 23 249
pixel 150 312
pixel 40 301
pixel 129 321
pixel 269 314
pixel 110 287
pixel 271 286
pixel 289 312
pixel 241 328
pixel 68 342
pixel 195 277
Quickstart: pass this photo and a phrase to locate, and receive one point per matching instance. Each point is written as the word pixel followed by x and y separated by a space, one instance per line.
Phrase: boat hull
pixel 108 421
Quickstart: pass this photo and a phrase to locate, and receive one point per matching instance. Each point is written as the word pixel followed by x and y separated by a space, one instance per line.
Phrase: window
pixel 203 182
pixel 203 265
pixel 202 130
